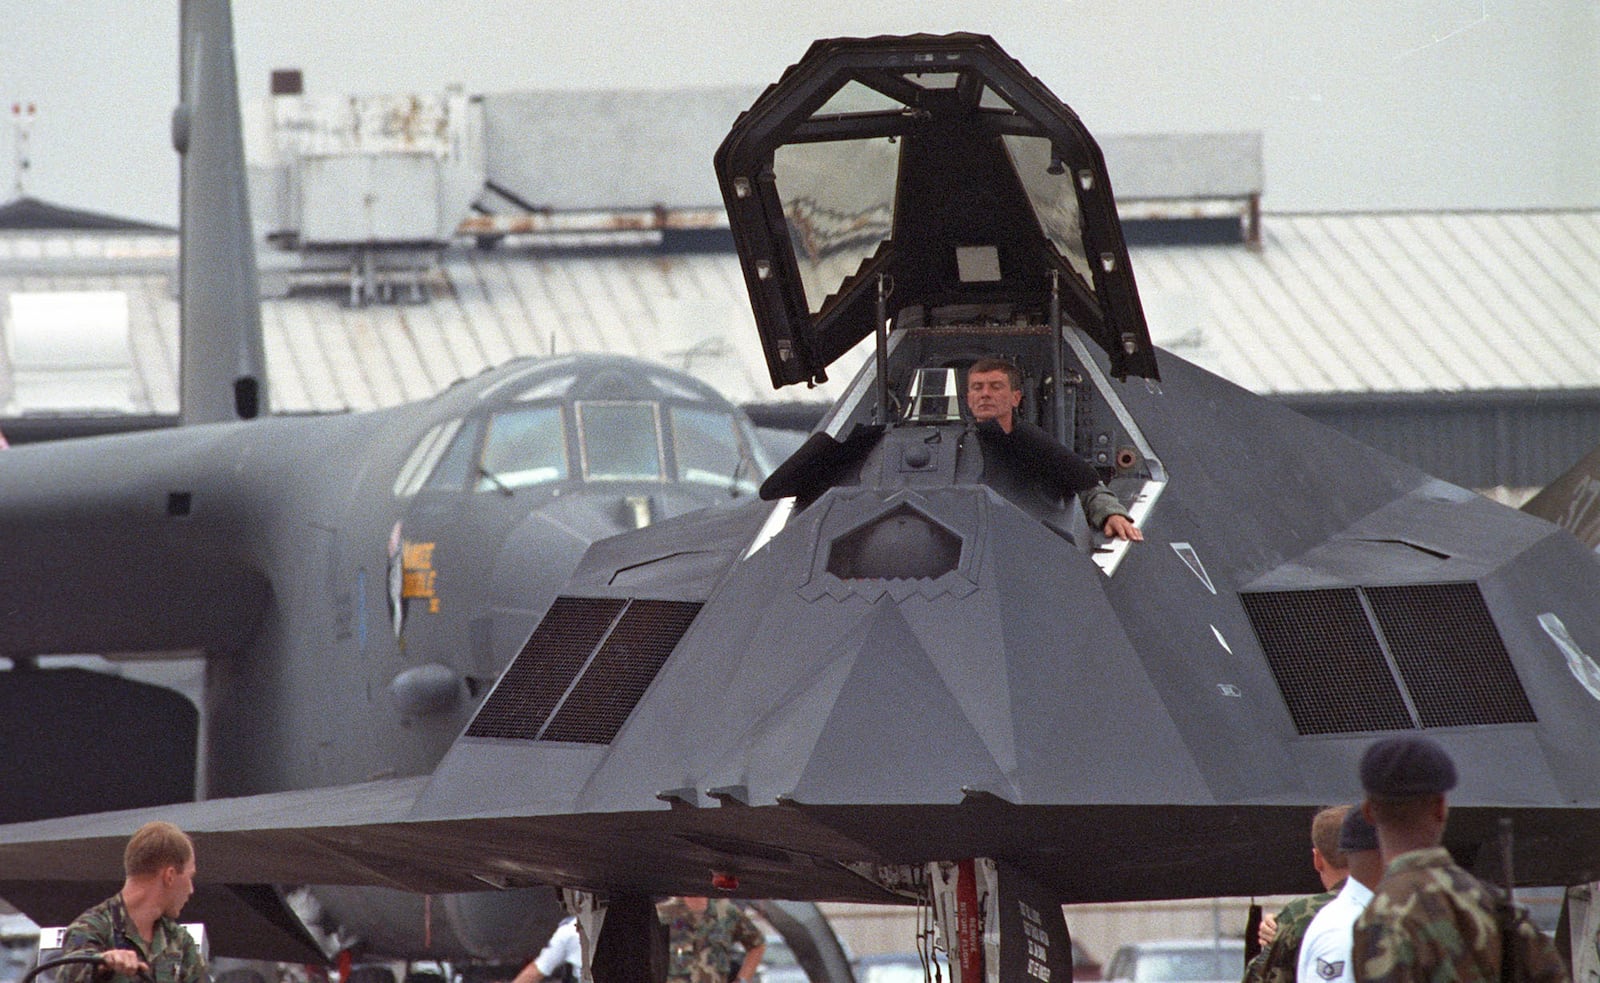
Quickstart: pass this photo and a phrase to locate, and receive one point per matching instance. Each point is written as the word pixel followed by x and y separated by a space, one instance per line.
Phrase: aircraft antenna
pixel 22 117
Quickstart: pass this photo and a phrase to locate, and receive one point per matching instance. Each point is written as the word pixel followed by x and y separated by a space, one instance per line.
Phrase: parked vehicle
pixel 1179 961
pixel 778 964
pixel 907 967
pixel 899 967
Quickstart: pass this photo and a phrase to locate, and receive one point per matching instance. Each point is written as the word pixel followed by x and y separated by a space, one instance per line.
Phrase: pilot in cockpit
pixel 1018 452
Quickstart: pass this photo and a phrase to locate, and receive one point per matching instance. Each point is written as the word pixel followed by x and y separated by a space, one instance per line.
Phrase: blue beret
pixel 1355 833
pixel 1406 767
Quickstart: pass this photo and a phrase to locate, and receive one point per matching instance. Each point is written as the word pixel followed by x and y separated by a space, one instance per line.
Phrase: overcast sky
pixel 1434 104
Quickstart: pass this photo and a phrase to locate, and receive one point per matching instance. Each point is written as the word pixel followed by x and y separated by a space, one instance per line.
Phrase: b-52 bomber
pixel 893 682
pixel 354 584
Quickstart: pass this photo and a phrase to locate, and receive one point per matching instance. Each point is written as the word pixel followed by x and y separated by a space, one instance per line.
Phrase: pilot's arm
pixel 1105 513
pixel 1101 506
pixel 1060 470
pixel 1122 527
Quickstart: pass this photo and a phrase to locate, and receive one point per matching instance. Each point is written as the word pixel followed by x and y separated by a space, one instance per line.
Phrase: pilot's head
pixel 994 391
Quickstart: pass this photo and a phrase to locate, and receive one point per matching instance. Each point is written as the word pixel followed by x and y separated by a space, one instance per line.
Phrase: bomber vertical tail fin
pixel 223 366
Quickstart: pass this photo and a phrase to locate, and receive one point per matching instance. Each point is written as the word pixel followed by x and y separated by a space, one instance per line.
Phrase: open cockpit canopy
pixel 938 163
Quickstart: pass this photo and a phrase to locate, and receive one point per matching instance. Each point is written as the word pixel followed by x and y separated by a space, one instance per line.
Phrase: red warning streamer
pixel 969 924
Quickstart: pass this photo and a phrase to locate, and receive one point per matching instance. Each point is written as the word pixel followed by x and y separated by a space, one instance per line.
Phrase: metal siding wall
pixel 1495 442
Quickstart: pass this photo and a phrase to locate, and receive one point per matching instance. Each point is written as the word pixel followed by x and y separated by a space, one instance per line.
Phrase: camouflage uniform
pixel 700 946
pixel 1432 922
pixel 171 954
pixel 1277 962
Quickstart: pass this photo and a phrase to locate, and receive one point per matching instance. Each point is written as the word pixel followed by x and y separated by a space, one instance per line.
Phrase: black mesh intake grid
pixel 622 670
pixel 546 666
pixel 1327 661
pixel 1327 656
pixel 1453 662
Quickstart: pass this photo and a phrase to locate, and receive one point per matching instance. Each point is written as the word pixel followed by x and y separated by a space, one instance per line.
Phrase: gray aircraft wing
pixel 57 868
pixel 260 845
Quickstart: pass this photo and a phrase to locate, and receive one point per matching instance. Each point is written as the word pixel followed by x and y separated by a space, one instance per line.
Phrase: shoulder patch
pixel 1329 971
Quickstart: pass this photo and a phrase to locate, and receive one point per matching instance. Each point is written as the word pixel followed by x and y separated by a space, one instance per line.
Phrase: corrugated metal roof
pixel 1328 304
pixel 1388 303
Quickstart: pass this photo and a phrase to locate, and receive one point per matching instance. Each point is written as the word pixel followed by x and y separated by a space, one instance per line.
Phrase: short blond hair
pixel 1325 835
pixel 154 847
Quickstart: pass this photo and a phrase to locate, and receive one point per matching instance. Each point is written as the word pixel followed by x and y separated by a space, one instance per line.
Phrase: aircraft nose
pixel 428 689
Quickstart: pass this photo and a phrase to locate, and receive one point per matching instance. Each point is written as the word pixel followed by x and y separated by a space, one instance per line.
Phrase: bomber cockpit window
pixel 455 465
pixel 423 457
pixel 838 196
pixel 620 441
pixel 523 447
pixel 838 191
pixel 710 451
pixel 551 387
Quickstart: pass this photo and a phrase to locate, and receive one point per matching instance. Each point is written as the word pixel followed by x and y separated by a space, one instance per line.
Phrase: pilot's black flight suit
pixel 1037 472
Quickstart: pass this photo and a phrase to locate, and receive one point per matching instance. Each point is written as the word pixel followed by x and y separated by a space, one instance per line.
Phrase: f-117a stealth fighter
pixel 901 679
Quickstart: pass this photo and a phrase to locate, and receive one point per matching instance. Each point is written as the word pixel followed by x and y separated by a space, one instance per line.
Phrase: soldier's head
pixel 1359 843
pixel 160 857
pixel 154 846
pixel 1326 856
pixel 1406 779
pixel 994 391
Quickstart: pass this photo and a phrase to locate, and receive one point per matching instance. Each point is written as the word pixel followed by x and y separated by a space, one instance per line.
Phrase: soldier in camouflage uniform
pixel 1277 961
pixel 136 931
pixel 702 936
pixel 1430 921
